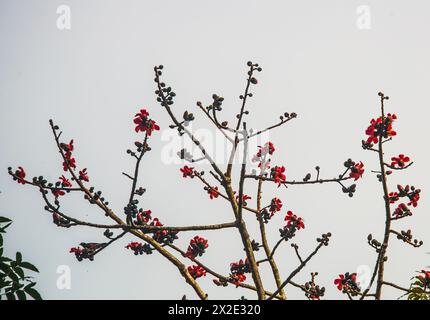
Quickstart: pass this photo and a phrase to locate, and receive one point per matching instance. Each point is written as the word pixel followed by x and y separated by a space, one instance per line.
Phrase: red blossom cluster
pixel 238 270
pixel 144 124
pixel 425 278
pixel 261 156
pixel 187 171
pixel 275 206
pixel 400 161
pixel 213 192
pixel 143 217
pixel 380 128
pixel 20 175
pixel 277 174
pixel 347 283
pixel 293 220
pixel 244 198
pixel 197 247
pixel 65 183
pixel 196 271
pixel 69 161
pixel 357 171
pixel 136 247
pixel 410 192
pixel 83 175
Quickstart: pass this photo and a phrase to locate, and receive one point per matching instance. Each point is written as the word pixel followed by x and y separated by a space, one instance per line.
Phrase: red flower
pixel 143 123
pixel 67 147
pixel 57 193
pixel 357 171
pixel 196 271
pixel 347 282
pixel 414 199
pixel 133 245
pixel 144 217
pixel 339 282
pixel 401 211
pixel 83 175
pixel 65 182
pixel 69 162
pixel 187 171
pixel 275 206
pixel 238 278
pixel 76 250
pixel 393 197
pixel 379 128
pixel 20 174
pixel 278 175
pixel 244 198
pixel 425 277
pixel 400 161
pixel 196 247
pixel 294 220
pixel 213 192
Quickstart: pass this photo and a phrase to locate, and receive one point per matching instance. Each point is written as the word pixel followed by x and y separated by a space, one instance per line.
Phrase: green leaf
pixel 4 219
pixel 3 229
pixel 33 293
pixel 19 272
pixel 29 266
pixel 18 257
pixel 21 295
pixel 10 296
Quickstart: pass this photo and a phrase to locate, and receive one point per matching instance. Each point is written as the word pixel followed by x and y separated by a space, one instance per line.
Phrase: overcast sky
pixel 319 58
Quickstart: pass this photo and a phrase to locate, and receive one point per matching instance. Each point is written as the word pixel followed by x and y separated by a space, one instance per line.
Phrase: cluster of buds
pixel 411 193
pixel 312 290
pixel 374 243
pixel 197 247
pixel 60 221
pixel 401 211
pixel 83 253
pixel 406 236
pixel 139 248
pixel 163 236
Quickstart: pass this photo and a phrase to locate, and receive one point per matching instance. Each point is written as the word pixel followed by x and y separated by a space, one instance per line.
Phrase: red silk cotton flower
pixel 357 171
pixel 213 192
pixel 196 247
pixel 65 182
pixel 187 171
pixel 400 161
pixel 20 174
pixel 83 175
pixel 69 161
pixel 379 128
pixel 275 206
pixel 277 174
pixel 143 123
pixel 292 219
pixel 196 271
